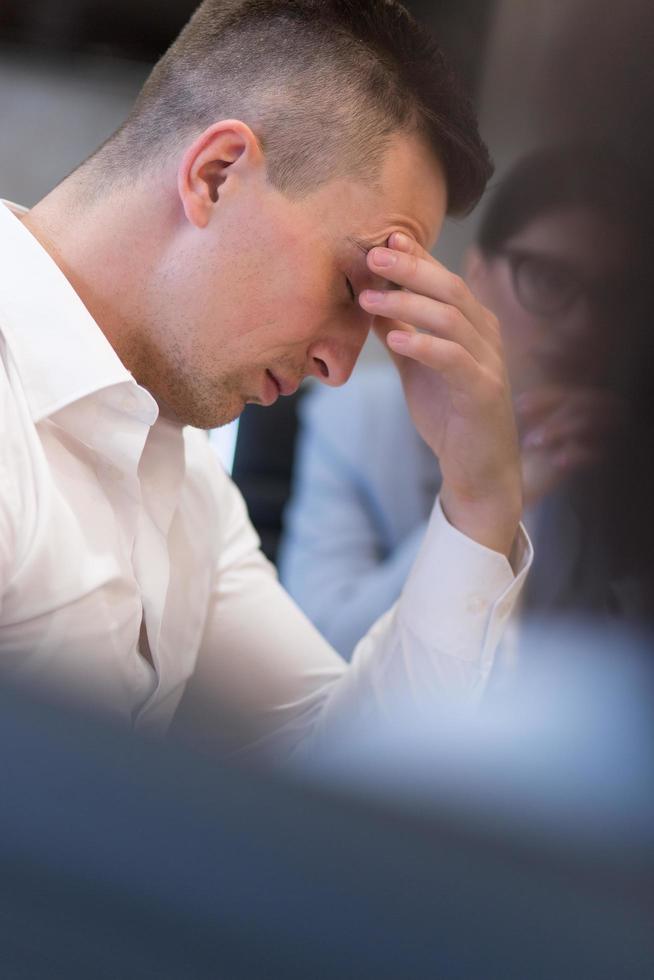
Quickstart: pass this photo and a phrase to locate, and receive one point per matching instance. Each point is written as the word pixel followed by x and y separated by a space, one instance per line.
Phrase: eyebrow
pixel 366 244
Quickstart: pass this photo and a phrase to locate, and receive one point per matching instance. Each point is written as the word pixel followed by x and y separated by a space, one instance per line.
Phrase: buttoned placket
pixel 125 422
pixel 161 474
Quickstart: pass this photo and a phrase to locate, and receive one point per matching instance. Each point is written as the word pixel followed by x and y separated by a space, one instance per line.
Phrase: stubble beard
pixel 191 396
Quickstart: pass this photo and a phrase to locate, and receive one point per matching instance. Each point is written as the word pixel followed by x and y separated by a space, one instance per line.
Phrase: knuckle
pixel 399 304
pixel 451 319
pixel 457 288
pixel 453 356
pixel 411 263
pixel 493 322
pixel 497 389
pixel 495 338
pixel 421 344
pixel 494 388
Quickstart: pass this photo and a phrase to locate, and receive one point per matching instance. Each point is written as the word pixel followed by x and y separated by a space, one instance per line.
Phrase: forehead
pixel 409 195
pixel 413 189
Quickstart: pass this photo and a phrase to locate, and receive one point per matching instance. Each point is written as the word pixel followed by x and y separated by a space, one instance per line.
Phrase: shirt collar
pixel 60 352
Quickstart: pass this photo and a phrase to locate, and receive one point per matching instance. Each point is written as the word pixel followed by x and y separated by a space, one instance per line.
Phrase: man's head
pixel 277 140
pixel 559 260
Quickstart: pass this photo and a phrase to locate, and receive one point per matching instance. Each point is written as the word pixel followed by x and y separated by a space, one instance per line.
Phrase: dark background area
pixel 143 30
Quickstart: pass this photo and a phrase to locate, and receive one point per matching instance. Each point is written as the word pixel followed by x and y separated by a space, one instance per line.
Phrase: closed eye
pixel 350 289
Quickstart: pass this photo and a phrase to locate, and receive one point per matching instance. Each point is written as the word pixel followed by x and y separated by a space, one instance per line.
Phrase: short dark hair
pixel 561 176
pixel 322 83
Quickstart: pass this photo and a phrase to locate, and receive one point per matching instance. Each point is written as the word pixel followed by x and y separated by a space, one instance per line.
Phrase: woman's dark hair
pixel 557 177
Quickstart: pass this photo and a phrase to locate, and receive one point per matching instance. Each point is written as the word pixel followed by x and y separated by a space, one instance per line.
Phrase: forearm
pixel 435 646
pixel 435 649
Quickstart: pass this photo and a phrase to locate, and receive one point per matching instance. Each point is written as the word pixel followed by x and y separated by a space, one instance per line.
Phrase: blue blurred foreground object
pixel 564 749
pixel 514 849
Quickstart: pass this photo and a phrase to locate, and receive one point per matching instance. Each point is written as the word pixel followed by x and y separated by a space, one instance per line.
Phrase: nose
pixel 332 362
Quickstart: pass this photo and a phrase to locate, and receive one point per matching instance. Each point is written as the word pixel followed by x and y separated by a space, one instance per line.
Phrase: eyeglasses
pixel 548 286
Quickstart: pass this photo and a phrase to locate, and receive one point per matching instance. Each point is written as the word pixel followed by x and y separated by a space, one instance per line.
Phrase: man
pixel 286 168
pixel 559 257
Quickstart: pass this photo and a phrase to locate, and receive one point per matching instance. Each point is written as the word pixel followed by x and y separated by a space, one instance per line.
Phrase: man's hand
pixel 448 350
pixel 564 429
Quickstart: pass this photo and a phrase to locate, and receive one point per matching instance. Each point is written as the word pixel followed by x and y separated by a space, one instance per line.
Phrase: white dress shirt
pixel 113 519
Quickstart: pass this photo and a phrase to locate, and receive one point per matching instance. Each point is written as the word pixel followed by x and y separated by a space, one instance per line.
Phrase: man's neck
pixel 100 248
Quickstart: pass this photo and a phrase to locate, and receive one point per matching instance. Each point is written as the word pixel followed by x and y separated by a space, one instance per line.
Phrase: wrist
pixel 491 521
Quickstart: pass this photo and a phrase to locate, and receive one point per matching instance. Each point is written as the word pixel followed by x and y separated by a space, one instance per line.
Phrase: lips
pixel 285 387
pixel 272 377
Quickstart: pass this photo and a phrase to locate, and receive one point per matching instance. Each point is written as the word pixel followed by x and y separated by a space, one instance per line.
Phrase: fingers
pixel 448 358
pixel 424 313
pixel 408 265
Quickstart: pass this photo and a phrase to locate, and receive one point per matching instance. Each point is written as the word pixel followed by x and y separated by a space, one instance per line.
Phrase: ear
pixel 221 154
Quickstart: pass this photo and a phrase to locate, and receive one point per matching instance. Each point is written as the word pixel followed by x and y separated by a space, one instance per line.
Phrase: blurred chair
pixel 263 464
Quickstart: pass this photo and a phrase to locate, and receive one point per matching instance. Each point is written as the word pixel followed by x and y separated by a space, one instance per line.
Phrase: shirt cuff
pixel 460 594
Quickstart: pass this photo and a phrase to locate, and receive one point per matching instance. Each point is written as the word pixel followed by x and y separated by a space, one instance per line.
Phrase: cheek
pixel 273 294
pixel 299 303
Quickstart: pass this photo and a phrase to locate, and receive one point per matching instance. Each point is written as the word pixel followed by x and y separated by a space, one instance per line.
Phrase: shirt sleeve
pixel 267 680
pixel 437 644
pixel 9 491
pixel 7 541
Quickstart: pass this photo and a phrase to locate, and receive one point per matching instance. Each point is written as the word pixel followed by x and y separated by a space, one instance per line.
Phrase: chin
pixel 200 401
pixel 214 417
pixel 224 419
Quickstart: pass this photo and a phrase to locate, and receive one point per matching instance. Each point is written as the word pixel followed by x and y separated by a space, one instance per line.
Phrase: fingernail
pixel 398 338
pixel 398 240
pixel 383 257
pixel 372 296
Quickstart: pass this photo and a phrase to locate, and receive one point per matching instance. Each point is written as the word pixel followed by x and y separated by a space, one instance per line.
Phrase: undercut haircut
pixel 323 84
